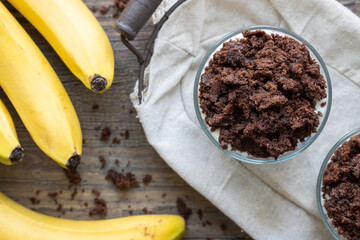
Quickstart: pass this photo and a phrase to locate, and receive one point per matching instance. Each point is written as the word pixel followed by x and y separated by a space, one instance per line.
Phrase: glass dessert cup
pixel 320 201
pixel 301 146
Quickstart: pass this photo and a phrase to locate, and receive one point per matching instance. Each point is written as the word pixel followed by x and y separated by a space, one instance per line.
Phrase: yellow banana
pixel 10 150
pixel 18 222
pixel 76 36
pixel 37 94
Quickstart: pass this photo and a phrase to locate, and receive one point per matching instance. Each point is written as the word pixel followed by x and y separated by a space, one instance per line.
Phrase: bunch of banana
pixel 18 222
pixel 37 94
pixel 10 150
pixel 77 37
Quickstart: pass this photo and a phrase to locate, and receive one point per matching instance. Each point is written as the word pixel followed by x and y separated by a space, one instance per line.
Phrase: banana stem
pixel 73 161
pixel 17 155
pixel 98 83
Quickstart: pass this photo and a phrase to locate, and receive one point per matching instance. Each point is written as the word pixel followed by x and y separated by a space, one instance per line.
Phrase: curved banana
pixel 18 222
pixel 77 37
pixel 10 150
pixel 37 94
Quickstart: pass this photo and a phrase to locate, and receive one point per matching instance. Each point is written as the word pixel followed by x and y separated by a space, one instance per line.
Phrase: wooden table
pixel 38 172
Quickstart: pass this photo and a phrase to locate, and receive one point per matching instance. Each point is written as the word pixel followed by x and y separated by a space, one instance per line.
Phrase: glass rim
pixel 261 160
pixel 327 159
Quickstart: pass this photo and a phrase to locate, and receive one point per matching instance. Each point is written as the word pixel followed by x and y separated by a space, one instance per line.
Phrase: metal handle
pixel 130 23
pixel 135 16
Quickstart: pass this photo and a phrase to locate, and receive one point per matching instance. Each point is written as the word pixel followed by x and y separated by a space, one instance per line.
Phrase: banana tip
pixel 17 155
pixel 98 83
pixel 73 161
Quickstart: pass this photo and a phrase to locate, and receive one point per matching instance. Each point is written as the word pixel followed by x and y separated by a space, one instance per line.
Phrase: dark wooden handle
pixel 135 16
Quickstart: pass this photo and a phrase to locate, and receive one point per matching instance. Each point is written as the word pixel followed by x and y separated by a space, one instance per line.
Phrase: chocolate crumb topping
pixel 104 9
pixel 341 189
pixel 260 92
pixel 121 180
pixel 34 200
pixel 121 4
pixel 116 140
pixel 73 175
pixel 105 134
pixel 102 161
pixel 100 207
pixel 95 192
pixel 147 179
pixel 183 209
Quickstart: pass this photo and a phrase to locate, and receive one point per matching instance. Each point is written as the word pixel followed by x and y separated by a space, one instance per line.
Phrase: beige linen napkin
pixel 270 201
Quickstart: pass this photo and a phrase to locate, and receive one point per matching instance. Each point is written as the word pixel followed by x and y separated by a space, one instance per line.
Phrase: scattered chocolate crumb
pixel 260 93
pixel 34 200
pixel 94 8
pixel 125 134
pixel 73 175
pixel 73 194
pixel 200 214
pixel 104 9
pixel 86 204
pixel 128 163
pixel 129 206
pixel 145 210
pixel 82 190
pixel 115 14
pixel 71 209
pixel 116 140
pixel 69 186
pixel 131 111
pixel 59 207
pixel 63 212
pixel 203 224
pixel 100 207
pixel 53 195
pixel 341 189
pixel 323 104
pixel 183 209
pixel 83 141
pixel 223 227
pixel 147 179
pixel 95 107
pixel 97 128
pixel 94 191
pixel 122 181
pixel 208 223
pixel 208 238
pixel 105 134
pixel 117 162
pixel 121 4
pixel 131 212
pixel 102 161
pixel 163 195
pixel 150 212
pixel 60 192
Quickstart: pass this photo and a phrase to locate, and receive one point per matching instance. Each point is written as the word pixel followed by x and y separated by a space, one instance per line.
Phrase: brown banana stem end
pixel 98 83
pixel 17 155
pixel 73 161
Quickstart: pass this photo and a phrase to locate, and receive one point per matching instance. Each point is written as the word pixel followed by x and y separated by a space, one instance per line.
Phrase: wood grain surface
pixel 38 172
